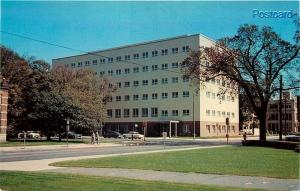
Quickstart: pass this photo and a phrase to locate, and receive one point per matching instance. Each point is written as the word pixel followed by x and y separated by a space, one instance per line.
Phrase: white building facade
pixel 152 91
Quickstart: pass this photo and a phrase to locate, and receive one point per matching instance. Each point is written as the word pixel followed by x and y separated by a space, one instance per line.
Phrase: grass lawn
pixel 15 143
pixel 29 181
pixel 252 161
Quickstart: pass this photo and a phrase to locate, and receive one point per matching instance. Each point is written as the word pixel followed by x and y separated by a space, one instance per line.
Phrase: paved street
pixel 63 151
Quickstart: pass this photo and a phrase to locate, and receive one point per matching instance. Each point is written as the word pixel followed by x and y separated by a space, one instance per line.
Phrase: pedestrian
pixel 98 137
pixel 93 138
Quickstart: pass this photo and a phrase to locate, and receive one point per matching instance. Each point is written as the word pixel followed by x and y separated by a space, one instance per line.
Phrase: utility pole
pixel 280 108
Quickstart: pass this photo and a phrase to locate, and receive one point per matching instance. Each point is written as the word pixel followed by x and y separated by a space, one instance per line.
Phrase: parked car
pixel 71 135
pixel 133 134
pixel 113 134
pixel 29 135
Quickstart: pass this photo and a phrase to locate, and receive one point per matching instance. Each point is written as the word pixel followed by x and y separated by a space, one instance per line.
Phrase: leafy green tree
pixel 251 60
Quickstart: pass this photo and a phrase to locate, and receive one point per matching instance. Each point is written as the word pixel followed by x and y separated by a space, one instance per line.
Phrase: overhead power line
pixel 74 49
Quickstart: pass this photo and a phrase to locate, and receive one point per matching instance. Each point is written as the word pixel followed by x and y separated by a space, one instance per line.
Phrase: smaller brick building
pixel 3 112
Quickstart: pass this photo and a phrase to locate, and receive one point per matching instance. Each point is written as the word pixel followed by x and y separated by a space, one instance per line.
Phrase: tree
pixel 252 61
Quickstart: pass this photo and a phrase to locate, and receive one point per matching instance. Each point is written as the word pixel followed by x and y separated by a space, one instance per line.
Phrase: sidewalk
pixel 52 147
pixel 188 178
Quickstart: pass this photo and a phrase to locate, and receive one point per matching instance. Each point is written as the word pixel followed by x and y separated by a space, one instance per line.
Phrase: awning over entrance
pixel 170 128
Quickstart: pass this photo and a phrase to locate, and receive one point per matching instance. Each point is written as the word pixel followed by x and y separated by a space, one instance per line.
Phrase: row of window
pixel 220 82
pixel 223 128
pixel 219 113
pixel 135 56
pixel 213 96
pixel 137 69
pixel 164 95
pixel 136 83
pixel 145 112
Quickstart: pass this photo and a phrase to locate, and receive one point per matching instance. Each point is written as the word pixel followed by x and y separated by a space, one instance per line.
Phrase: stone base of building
pixel 184 128
pixel 2 138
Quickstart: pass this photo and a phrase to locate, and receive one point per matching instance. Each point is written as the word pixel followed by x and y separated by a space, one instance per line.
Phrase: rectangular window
pixel 164 95
pixel 94 62
pixel 127 70
pixel 232 115
pixel 174 112
pixel 174 50
pixel 126 84
pixel 145 82
pixel 218 81
pixel 175 80
pixel 135 112
pixel 228 114
pixel 208 94
pixel 208 112
pixel 232 99
pixel 164 52
pixel 126 98
pixel 126 113
pixel 154 81
pixel 145 96
pixel 185 79
pixel 145 54
pixel 185 49
pixel 175 65
pixel 87 63
pixel 110 60
pixel 110 72
pixel 135 69
pixel 154 112
pixel 119 84
pixel 135 97
pixel 219 113
pixel 102 73
pixel 223 113
pixel 118 58
pixel 154 96
pixel 135 83
pixel 145 68
pixel 164 113
pixel 118 72
pixel 118 113
pixel 174 94
pixel 164 80
pixel 109 113
pixel 79 64
pixel 144 112
pixel 118 98
pixel 154 53
pixel 102 61
pixel 228 98
pixel 186 112
pixel 73 65
pixel 213 81
pixel 213 112
pixel 154 67
pixel 164 66
pixel 185 94
pixel 127 57
pixel 136 56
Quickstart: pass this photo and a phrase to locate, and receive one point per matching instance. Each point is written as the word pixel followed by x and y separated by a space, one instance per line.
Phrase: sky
pixel 91 26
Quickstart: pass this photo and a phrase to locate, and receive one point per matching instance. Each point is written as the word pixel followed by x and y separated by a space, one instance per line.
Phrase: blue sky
pixel 92 26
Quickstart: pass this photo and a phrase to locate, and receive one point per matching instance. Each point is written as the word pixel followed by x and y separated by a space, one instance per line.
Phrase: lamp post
pixel 194 123
pixel 68 129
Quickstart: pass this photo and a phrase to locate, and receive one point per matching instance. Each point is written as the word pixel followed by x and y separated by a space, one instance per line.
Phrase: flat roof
pixel 136 44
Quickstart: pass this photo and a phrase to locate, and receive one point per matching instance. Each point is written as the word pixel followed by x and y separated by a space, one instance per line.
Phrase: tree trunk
pixel 48 137
pixel 262 124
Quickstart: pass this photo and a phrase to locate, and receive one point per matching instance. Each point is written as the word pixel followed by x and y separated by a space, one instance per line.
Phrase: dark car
pixel 71 135
pixel 113 134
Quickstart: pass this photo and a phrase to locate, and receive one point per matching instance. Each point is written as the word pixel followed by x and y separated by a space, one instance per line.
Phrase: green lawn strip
pixel 38 181
pixel 16 143
pixel 232 160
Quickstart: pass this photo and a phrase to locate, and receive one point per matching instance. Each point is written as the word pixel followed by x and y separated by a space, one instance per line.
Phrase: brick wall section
pixel 3 113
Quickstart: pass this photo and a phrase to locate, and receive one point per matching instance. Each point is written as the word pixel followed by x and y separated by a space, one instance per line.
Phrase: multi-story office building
pixel 151 89
pixel 290 109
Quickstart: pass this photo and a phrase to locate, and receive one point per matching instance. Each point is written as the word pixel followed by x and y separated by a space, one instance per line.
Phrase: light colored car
pixel 30 135
pixel 134 134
